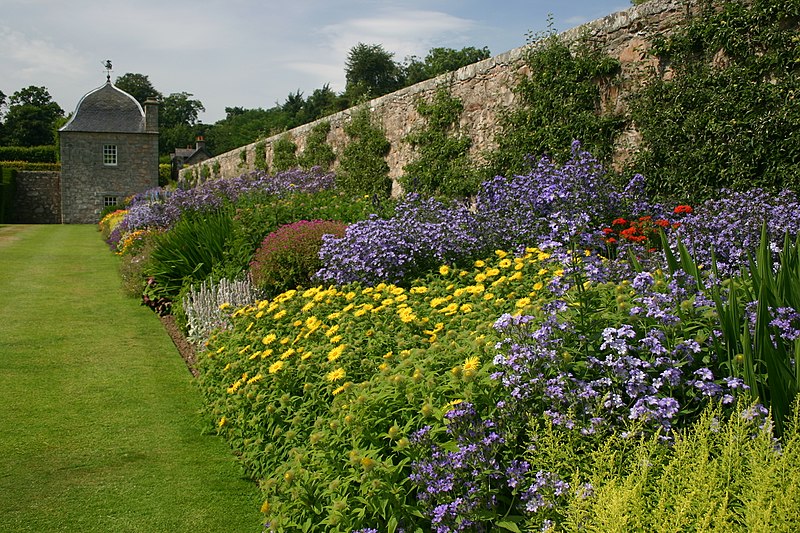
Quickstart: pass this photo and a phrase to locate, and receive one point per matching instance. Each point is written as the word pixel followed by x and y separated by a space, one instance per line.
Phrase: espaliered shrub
pixel 362 165
pixel 442 165
pixel 727 116
pixel 288 257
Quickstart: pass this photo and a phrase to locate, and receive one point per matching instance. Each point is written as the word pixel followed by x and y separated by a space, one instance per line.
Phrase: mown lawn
pixel 99 428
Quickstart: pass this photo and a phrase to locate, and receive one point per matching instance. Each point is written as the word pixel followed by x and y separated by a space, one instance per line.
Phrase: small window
pixel 110 154
pixel 109 201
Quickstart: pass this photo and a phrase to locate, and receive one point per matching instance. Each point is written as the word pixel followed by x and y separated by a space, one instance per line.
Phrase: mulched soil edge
pixel 185 348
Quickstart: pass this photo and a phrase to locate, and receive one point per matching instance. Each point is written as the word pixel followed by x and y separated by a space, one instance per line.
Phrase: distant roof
pixel 107 109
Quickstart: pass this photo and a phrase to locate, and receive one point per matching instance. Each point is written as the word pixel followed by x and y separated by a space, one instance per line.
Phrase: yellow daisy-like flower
pixel 450 309
pixel 307 307
pixel 259 314
pixel 359 312
pixel 492 272
pixel 266 353
pixel 336 339
pixel 466 308
pixel 505 263
pixel 538 286
pixel 276 367
pixel 332 330
pixel 280 314
pixel 516 276
pixel 397 291
pixel 225 306
pixel 444 270
pixel 436 302
pixel 261 304
pixel 222 421
pixel 449 405
pixel 419 290
pixel 335 375
pixel 471 364
pixel 287 354
pixel 269 338
pixel 522 302
pixel 336 353
pixel 480 264
pixel 339 390
pixel 501 253
pixel 401 298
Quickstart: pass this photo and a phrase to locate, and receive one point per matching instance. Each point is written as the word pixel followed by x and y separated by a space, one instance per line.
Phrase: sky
pixel 250 53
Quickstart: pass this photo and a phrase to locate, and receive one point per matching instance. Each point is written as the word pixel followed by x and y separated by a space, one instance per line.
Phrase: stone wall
pixel 485 89
pixel 37 198
pixel 86 181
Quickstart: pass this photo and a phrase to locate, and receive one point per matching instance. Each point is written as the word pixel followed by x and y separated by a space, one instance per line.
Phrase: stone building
pixel 182 157
pixel 109 150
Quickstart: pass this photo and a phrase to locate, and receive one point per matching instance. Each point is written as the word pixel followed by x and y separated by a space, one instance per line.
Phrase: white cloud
pixel 30 57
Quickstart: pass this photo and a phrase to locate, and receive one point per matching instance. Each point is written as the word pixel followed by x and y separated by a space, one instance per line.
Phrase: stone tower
pixel 109 150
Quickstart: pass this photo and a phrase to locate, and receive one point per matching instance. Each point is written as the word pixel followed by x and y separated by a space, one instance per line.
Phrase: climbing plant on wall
pixel 442 164
pixel 724 108
pixel 317 153
pixel 284 153
pixel 558 101
pixel 362 165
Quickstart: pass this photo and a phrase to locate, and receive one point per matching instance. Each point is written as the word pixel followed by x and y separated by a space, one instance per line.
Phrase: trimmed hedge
pixel 7 182
pixel 31 154
pixel 26 165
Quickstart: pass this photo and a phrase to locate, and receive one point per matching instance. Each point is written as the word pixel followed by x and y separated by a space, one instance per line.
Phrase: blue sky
pixel 249 53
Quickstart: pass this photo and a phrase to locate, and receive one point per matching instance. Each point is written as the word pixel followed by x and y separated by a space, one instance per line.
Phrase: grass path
pixel 99 429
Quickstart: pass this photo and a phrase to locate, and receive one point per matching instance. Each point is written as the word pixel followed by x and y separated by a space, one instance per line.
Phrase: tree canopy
pixel 31 119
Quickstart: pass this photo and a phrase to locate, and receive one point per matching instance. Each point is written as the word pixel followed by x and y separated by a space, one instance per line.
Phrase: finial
pixel 107 65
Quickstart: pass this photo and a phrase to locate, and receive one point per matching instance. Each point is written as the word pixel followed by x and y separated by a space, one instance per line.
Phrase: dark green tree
pixel 178 124
pixel 138 86
pixel 441 60
pixel 370 72
pixel 31 118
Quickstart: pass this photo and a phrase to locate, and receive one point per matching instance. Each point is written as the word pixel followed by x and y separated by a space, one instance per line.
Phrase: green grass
pixel 99 428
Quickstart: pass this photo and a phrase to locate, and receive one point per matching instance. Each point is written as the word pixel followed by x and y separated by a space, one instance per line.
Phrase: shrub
pixel 284 154
pixel 362 165
pixel 109 221
pixel 317 153
pixel 289 257
pixel 207 306
pixel 30 154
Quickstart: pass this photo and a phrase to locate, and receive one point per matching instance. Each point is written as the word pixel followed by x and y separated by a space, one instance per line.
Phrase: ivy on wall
pixel 557 102
pixel 724 110
pixel 284 153
pixel 362 165
pixel 442 165
pixel 318 153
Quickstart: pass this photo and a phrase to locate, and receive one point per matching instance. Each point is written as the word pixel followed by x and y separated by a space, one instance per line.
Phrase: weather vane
pixel 107 65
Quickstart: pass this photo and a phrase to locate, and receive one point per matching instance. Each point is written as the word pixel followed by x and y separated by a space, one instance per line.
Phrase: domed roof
pixel 107 109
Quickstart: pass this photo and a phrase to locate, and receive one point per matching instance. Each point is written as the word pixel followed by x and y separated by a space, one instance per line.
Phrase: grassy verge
pixel 98 427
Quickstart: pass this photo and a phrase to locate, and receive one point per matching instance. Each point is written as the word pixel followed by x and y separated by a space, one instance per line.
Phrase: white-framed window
pixel 109 200
pixel 110 154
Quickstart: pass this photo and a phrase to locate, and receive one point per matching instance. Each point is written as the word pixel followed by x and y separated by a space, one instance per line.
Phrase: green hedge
pixel 26 165
pixel 31 154
pixel 7 180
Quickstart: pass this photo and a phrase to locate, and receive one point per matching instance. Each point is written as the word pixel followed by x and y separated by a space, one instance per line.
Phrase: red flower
pixel 663 223
pixel 619 222
pixel 683 210
pixel 645 219
pixel 611 240
pixel 608 230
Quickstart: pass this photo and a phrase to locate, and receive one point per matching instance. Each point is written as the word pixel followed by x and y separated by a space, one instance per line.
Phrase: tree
pixel 31 118
pixel 177 121
pixel 370 72
pixel 441 60
pixel 138 86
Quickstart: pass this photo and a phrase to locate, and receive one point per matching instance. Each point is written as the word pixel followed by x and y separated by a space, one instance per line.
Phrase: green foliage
pixel 7 181
pixel 728 115
pixel 24 165
pixel 442 165
pixel 371 72
pixel 31 118
pixel 138 86
pixel 558 102
pixel 441 60
pixel 164 174
pixel 362 165
pixel 719 475
pixel 288 258
pixel 188 252
pixel 30 154
pixel 259 156
pixel 317 153
pixel 284 153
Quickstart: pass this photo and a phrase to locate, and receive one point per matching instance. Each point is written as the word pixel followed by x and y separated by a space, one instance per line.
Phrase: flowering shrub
pixel 552 206
pixel 289 256
pixel 110 221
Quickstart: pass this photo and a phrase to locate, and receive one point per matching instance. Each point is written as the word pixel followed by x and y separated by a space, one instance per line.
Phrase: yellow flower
pixel 538 286
pixel 225 306
pixel 522 302
pixel 450 309
pixel 335 353
pixel 307 307
pixel 444 270
pixel 558 273
pixel 436 302
pixel 397 291
pixel 458 292
pixel 280 314
pixel 505 263
pixel 336 339
pixel 479 264
pixel 406 314
pixel 339 390
pixel 449 405
pixel 466 308
pixel 331 330
pixel 262 304
pixel 222 421
pixel 471 364
pixel 501 253
pixel 419 290
pixel 516 276
pixel 259 314
pixel 335 375
pixel 287 354
pixel 265 507
pixel 401 298
pixel 269 338
pixel 276 367
pixel 492 272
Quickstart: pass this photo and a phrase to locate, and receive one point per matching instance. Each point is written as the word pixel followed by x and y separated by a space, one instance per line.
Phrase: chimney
pixel 151 115
pixel 200 143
